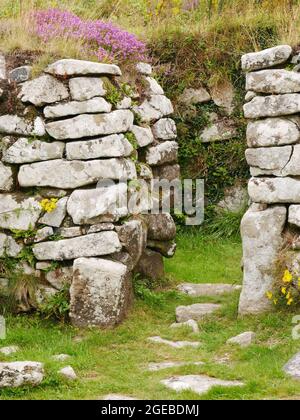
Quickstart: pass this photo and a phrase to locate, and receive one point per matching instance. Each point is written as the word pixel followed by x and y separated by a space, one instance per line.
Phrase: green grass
pixel 115 361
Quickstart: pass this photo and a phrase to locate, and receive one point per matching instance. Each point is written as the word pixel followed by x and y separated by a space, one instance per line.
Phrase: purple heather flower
pixel 102 39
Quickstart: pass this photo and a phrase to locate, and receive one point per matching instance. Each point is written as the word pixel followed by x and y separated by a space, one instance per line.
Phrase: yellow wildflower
pixel 269 295
pixel 283 290
pixel 288 296
pixel 287 277
pixel 49 205
pixel 275 301
pixel 290 301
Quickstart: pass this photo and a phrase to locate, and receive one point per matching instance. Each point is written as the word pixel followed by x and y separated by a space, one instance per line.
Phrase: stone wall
pixel 270 228
pixel 78 143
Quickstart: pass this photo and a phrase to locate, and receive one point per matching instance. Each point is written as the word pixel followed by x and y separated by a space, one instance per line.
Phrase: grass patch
pixel 115 361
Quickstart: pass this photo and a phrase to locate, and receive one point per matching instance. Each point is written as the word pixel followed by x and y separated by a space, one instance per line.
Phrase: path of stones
pixel 21 373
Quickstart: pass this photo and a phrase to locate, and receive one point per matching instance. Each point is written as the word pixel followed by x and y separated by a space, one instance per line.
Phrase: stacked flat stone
pixel 66 139
pixel 273 154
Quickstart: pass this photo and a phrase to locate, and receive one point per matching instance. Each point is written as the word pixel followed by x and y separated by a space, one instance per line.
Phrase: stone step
pixel 154 367
pixel 188 324
pixel 292 368
pixel 174 344
pixel 196 312
pixel 197 383
pixel 207 289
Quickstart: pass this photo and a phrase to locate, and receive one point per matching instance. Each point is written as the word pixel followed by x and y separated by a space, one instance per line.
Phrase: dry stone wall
pixel 270 228
pixel 76 146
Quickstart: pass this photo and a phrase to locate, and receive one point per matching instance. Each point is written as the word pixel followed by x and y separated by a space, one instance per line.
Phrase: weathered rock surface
pixel 273 81
pixel 43 234
pixel 100 227
pixel 84 88
pixel 165 152
pixel 59 277
pixel 167 249
pixel 154 108
pixel 261 233
pixel 61 357
pixel 155 367
pixel 292 368
pixel 115 145
pixel 200 384
pixel 144 68
pixel 194 96
pixel 223 96
pixel 87 206
pixel 161 226
pixel 91 106
pixel 175 344
pixel 56 217
pixel 124 103
pixel 220 130
pixel 294 215
pixel 43 90
pixel 273 106
pixel 72 232
pixel 168 172
pixel 273 132
pixel 88 125
pixel 143 135
pixel 13 124
pixel 165 129
pixel 68 372
pixel 266 58
pixel 7 351
pixel 16 374
pixel 196 312
pixel 235 199
pixel 20 74
pixel 100 292
pixel 133 237
pixel 8 246
pixel 18 211
pixel 243 340
pixel 6 178
pixel 26 150
pixel 96 244
pixel 191 323
pixel 74 174
pixel 151 265
pixel 207 289
pixel 152 86
pixel 71 67
pixel 274 190
pixel 269 158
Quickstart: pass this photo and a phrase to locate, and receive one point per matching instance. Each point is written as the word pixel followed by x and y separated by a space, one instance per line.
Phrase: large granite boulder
pixel 100 292
pixel 16 374
pixel 262 239
pixel 273 106
pixel 273 81
pixel 89 206
pixel 266 58
pixel 73 174
pixel 26 150
pixel 71 67
pixel 88 125
pixel 161 226
pixel 274 190
pixel 18 211
pixel 273 132
pixel 93 245
pixel 43 90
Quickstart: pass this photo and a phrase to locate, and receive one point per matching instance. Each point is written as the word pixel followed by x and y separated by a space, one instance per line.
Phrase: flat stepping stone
pixel 190 324
pixel 7 351
pixel 117 397
pixel 243 340
pixel 207 289
pixel 197 383
pixel 154 367
pixel 196 312
pixel 292 368
pixel 174 344
pixel 68 372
